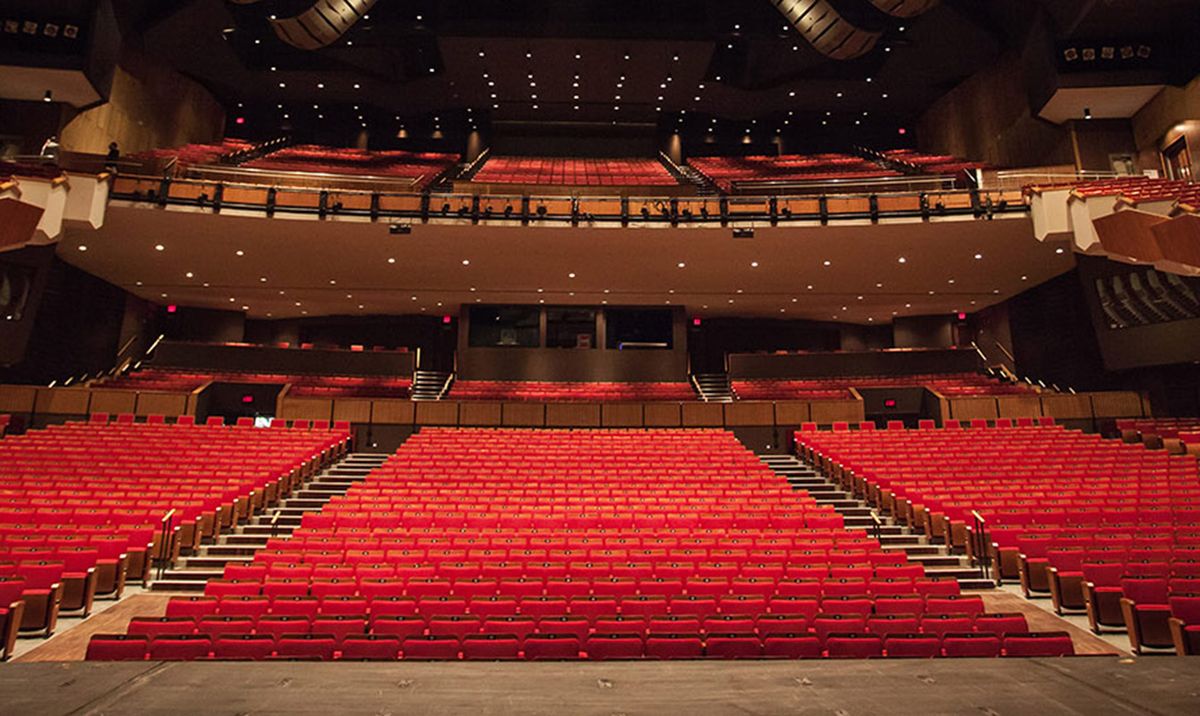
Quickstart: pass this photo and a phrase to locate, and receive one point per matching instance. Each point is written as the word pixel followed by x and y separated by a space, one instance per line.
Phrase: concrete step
pixel 176 585
pixel 938 560
pixel 196 575
pixel 227 551
pixel 266 530
pixel 242 540
pixel 192 564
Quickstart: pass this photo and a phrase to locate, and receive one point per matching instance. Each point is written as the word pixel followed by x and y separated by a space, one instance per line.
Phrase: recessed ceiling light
pixel 1058 250
pixel 978 257
pixel 159 247
pixel 466 262
pixel 332 282
pixel 901 260
pixel 189 274
pixel 82 247
pixel 828 263
pixel 571 275
pixel 239 252
pixel 245 308
pixel 1024 278
pixel 753 264
pixel 297 303
pixel 391 261
pixel 681 264
pixel 262 279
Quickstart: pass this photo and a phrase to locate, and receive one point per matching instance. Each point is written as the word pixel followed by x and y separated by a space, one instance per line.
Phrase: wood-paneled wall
pixel 1060 406
pixel 29 399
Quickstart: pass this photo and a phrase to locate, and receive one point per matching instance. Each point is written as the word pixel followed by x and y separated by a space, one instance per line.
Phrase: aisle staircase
pixel 239 546
pixel 713 387
pixel 430 384
pixel 937 559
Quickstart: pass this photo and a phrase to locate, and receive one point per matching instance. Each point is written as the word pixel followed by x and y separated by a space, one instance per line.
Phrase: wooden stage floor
pixel 1081 686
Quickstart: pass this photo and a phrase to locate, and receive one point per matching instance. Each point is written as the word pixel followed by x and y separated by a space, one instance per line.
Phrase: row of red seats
pixel 196 153
pixel 1186 429
pixel 302 384
pixel 422 167
pixel 932 163
pixel 578 172
pixel 600 647
pixel 838 387
pixel 566 391
pixel 725 171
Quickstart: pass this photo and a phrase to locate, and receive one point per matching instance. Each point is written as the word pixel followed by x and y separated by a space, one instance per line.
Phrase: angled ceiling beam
pixel 826 30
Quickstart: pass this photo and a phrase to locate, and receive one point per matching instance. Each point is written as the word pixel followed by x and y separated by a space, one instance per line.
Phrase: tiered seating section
pixel 1175 434
pixel 1136 190
pixel 1099 525
pixel 950 385
pixel 509 544
pixel 323 386
pixel 196 153
pixel 423 168
pixel 569 392
pixel 724 172
pixel 574 172
pixel 931 163
pixel 82 504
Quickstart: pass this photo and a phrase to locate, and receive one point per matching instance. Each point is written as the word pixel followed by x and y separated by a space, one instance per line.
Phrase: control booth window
pixel 570 328
pixel 504 326
pixel 639 329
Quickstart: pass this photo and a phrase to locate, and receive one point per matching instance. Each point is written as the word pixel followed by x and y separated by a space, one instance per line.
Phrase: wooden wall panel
pixel 573 415
pixel 1126 404
pixel 305 408
pixel 153 403
pixel 792 412
pixel 749 413
pixel 354 410
pixel 476 413
pixel 1067 407
pixel 1019 406
pixel 17 398
pixel 113 401
pixel 825 412
pixel 662 415
pixel 392 412
pixel 697 415
pixel 621 415
pixel 523 414
pixel 436 412
pixel 973 408
pixel 63 401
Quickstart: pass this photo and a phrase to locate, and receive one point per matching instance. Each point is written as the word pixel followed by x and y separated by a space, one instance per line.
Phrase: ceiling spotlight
pixel 48 97
pixel 159 247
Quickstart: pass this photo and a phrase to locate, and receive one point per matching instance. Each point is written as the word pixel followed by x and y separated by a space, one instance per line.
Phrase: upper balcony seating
pixel 568 544
pixel 325 386
pixel 574 172
pixel 569 392
pixel 81 504
pixel 1068 514
pixel 725 171
pixel 932 163
pixel 423 168
pixel 196 153
pixel 950 385
pixel 15 170
pixel 1162 427
pixel 1134 190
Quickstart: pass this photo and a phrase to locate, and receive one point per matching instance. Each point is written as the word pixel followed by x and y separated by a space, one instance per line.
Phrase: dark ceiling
pixel 602 61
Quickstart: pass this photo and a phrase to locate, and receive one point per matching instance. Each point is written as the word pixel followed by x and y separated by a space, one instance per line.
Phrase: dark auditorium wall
pixel 33 262
pixel 988 118
pixel 1174 112
pixel 709 342
pixel 991 331
pixel 78 327
pixel 1098 139
pixel 436 340
pixel 205 325
pixel 865 338
pixel 923 332
pixel 150 106
pixel 1052 336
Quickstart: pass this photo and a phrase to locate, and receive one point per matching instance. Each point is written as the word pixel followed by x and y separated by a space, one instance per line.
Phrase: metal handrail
pixel 878 525
pixel 980 552
pixel 166 545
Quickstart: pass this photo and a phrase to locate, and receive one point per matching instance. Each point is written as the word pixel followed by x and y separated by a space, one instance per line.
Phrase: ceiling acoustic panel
pixel 319 26
pixel 826 30
pixel 905 8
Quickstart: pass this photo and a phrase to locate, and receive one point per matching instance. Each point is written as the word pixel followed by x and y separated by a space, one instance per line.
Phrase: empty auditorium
pixel 600 357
